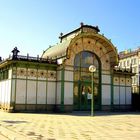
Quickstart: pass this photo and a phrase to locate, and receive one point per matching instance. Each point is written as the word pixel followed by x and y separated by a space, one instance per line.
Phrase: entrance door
pixel 82 81
pixel 83 96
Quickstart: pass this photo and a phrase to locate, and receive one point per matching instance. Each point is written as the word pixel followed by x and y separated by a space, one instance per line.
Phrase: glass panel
pixel 82 78
pixel 76 96
pixel 77 61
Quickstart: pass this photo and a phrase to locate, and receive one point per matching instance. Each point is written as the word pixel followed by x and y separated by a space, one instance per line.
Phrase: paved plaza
pixel 72 126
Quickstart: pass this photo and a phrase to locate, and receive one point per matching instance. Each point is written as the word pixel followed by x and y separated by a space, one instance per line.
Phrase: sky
pixel 33 25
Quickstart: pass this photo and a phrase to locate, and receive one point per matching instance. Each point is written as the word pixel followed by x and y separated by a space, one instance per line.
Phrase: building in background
pixel 60 80
pixel 131 60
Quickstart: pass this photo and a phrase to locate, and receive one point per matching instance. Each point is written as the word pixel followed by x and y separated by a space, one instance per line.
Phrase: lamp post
pixel 92 69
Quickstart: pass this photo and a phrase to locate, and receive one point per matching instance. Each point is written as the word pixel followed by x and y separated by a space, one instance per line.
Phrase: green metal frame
pixel 100 80
pixel 112 91
pixel 62 88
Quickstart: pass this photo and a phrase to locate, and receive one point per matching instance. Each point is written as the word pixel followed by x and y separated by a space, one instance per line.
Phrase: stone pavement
pixel 72 126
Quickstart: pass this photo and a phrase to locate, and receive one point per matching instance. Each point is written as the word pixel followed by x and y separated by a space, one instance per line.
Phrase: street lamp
pixel 92 69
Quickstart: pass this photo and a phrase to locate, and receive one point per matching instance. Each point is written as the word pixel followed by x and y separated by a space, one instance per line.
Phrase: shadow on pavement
pixel 14 122
pixel 88 113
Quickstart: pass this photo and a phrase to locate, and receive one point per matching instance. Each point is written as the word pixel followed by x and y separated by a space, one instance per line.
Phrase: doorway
pixel 82 81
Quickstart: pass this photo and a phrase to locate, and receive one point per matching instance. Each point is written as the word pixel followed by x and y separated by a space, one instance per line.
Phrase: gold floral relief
pixel 51 74
pixel 42 74
pixel 122 81
pixel 116 80
pixel 21 72
pixel 128 81
pixel 96 51
pixel 32 73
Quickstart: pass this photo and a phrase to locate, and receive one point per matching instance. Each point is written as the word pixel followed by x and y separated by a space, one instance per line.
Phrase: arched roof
pixel 56 51
pixel 61 49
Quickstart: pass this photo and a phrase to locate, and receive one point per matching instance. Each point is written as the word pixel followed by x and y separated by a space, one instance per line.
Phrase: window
pixel 128 62
pixel 81 65
pixel 3 74
pixel 134 61
pixel 134 69
pixel 124 63
pixel 120 64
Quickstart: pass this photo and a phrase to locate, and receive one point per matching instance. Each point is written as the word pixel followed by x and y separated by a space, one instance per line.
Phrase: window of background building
pixel 120 64
pixel 133 80
pixel 134 69
pixel 128 62
pixel 124 63
pixel 134 61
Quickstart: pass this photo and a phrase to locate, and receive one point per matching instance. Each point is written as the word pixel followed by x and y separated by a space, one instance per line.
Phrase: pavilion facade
pixel 61 81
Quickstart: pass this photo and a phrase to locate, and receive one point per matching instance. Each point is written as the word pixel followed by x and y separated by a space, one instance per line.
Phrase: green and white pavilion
pixel 61 81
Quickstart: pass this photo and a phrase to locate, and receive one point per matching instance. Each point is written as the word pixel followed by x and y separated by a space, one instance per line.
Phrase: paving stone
pixel 73 126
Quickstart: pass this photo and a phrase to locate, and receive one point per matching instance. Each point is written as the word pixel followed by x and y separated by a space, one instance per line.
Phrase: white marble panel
pixel 68 76
pixel 10 74
pixel 41 93
pixel 51 92
pixel 116 95
pixel 31 92
pixel 68 93
pixel 58 75
pixel 58 92
pixel 3 91
pixel 128 96
pixel 0 93
pixel 8 90
pixel 106 79
pixel 21 91
pixel 13 91
pixel 122 95
pixel 106 94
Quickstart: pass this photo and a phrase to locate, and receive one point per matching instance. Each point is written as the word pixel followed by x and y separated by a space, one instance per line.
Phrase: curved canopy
pixel 57 51
pixel 60 50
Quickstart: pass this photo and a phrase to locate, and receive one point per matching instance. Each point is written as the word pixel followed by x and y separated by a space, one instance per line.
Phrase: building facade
pixel 60 80
pixel 131 60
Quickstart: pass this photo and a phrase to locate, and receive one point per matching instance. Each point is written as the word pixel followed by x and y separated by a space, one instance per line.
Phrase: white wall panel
pixel 68 76
pixel 31 92
pixel 8 90
pixel 41 94
pixel 116 95
pixel 58 75
pixel 13 91
pixel 51 91
pixel 68 93
pixel 58 92
pixel 106 79
pixel 20 91
pixel 3 92
pixel 122 95
pixel 10 74
pixel 106 94
pixel 128 95
pixel 0 92
pixel 6 93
